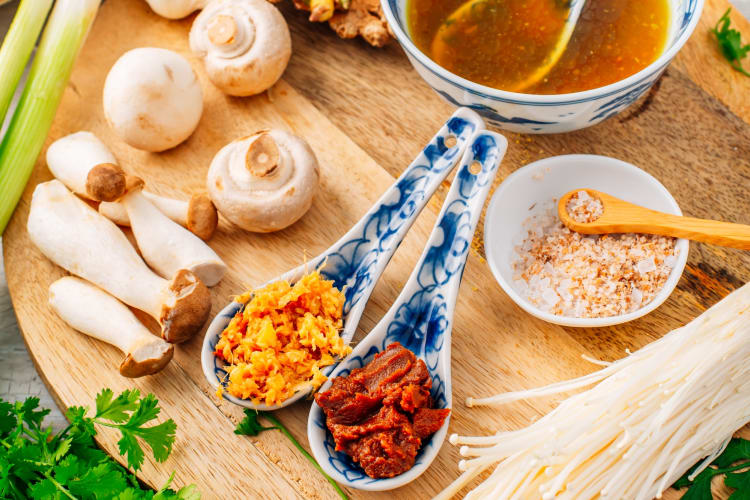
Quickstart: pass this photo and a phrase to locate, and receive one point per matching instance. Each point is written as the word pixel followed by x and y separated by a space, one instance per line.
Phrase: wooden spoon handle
pixel 727 234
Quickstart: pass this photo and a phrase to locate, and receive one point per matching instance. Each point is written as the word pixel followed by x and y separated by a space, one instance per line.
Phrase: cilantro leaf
pixel 733 463
pixel 43 490
pixel 116 409
pixel 700 487
pixel 249 426
pixel 740 481
pixel 7 419
pixel 730 43
pixel 736 451
pixel 35 463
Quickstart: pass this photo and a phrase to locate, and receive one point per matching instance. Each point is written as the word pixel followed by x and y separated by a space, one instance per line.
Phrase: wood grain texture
pixel 360 108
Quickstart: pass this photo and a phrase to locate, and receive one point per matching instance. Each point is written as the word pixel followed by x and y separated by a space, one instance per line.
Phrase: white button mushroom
pixel 245 45
pixel 152 98
pixel 265 182
pixel 77 238
pixel 72 159
pixel 96 313
pixel 165 245
pixel 176 9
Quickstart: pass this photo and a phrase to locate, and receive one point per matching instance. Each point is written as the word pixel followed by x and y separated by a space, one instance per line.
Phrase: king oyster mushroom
pixel 96 313
pixel 198 214
pixel 245 45
pixel 71 158
pixel 79 158
pixel 80 240
pixel 264 182
pixel 165 245
pixel 176 9
pixel 152 98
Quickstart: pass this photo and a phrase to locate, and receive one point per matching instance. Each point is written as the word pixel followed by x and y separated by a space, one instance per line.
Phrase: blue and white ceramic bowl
pixel 543 114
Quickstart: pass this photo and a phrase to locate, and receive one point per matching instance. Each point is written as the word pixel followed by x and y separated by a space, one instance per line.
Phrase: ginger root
pixel 350 18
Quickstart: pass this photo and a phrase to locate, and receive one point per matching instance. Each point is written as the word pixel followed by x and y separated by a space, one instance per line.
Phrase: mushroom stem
pixel 80 240
pixel 262 156
pixel 87 167
pixel 96 313
pixel 222 29
pixel 198 215
pixel 168 247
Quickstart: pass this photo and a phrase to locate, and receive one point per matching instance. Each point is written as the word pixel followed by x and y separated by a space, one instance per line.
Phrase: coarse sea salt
pixel 588 276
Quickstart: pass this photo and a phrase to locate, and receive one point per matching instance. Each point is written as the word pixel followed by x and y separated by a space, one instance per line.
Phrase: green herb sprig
pixel 36 463
pixel 250 426
pixel 730 43
pixel 733 463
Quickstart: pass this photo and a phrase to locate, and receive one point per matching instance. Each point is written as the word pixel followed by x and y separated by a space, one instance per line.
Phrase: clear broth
pixel 498 43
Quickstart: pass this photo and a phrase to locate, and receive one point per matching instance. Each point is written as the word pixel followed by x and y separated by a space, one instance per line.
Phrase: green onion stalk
pixel 18 45
pixel 61 41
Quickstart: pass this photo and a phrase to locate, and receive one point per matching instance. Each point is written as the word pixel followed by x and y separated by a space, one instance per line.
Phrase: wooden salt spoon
pixel 619 216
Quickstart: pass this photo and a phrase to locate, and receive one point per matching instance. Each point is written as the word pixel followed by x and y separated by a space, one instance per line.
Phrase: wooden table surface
pixel 692 132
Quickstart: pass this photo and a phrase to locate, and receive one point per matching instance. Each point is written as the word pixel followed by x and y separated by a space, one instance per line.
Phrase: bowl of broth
pixel 505 59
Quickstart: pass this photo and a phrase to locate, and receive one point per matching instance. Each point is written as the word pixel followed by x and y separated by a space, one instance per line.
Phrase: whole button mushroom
pixel 245 45
pixel 265 182
pixel 175 9
pixel 152 99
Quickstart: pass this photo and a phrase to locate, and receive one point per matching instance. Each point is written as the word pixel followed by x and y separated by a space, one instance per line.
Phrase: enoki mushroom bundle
pixel 645 421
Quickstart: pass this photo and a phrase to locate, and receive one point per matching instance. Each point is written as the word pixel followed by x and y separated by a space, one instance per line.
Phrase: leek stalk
pixel 18 45
pixel 61 41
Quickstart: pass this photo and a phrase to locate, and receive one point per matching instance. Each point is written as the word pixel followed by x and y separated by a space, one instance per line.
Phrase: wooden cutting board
pixel 366 113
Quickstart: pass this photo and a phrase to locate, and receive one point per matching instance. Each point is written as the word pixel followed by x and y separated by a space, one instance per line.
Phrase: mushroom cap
pixel 152 98
pixel 186 307
pixel 105 182
pixel 202 217
pixel 245 45
pixel 147 359
pixel 264 182
pixel 70 159
pixel 175 9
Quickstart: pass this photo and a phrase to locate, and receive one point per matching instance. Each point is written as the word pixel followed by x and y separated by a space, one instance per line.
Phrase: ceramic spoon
pixel 457 20
pixel 422 316
pixel 619 216
pixel 358 259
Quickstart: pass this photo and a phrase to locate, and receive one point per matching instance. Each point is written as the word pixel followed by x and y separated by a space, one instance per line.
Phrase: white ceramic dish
pixel 544 114
pixel 549 179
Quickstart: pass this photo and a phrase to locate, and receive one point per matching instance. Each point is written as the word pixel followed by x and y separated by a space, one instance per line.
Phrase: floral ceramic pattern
pixel 421 317
pixel 543 114
pixel 357 260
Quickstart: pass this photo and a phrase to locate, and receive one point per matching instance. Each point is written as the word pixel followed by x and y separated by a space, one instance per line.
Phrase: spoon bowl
pixel 619 216
pixel 421 317
pixel 357 260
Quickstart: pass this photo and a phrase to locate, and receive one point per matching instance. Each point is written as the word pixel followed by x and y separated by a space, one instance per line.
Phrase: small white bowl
pixel 548 179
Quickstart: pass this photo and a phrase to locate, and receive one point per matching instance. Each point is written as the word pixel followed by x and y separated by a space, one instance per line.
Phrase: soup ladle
pixel 356 261
pixel 421 318
pixel 454 22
